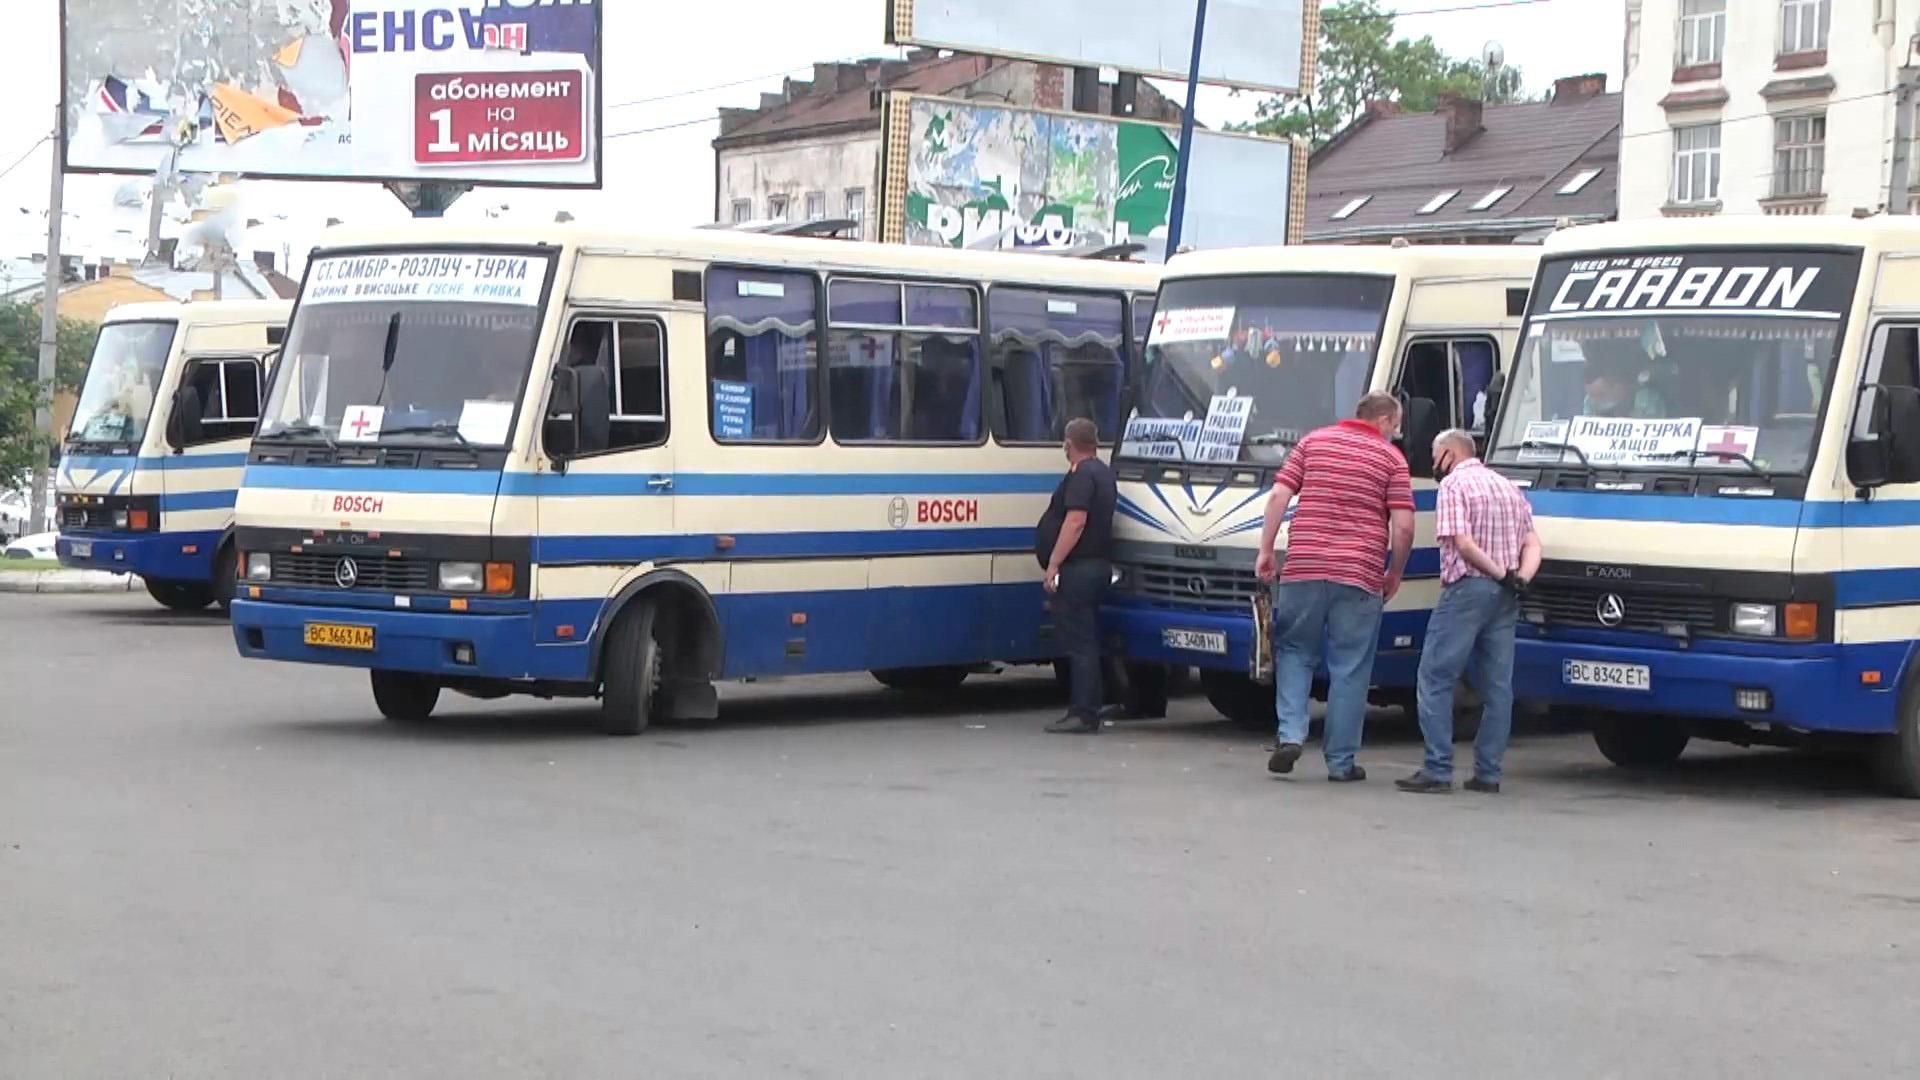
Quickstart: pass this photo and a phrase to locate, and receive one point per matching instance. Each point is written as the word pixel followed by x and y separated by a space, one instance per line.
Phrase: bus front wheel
pixel 1638 742
pixel 633 666
pixel 1240 699
pixel 1896 757
pixel 180 595
pixel 404 697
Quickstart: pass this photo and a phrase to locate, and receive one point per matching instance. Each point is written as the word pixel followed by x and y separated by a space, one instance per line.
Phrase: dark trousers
pixel 1076 629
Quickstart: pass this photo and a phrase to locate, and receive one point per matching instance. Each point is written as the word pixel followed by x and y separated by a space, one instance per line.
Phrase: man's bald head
pixel 1458 440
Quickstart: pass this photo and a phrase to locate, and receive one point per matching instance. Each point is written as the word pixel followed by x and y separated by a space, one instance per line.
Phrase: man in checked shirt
pixel 1488 553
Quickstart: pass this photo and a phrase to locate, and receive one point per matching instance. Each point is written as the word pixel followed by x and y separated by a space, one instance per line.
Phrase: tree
pixel 1361 61
pixel 21 390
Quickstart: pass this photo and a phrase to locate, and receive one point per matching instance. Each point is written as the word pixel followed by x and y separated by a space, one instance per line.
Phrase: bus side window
pixel 904 361
pixel 632 353
pixel 763 355
pixel 228 391
pixel 1895 363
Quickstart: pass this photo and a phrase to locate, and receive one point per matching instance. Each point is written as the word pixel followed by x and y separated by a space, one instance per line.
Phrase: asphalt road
pixel 218 868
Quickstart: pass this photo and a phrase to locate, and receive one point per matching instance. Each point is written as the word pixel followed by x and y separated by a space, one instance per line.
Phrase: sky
pixel 670 60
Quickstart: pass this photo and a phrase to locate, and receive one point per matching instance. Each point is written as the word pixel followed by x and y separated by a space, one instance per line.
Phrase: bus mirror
pixel 183 418
pixel 1870 446
pixel 1496 389
pixel 1419 426
pixel 596 409
pixel 560 431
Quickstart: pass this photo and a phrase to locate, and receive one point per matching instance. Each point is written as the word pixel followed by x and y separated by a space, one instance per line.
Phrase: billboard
pixel 1257 44
pixel 966 175
pixel 483 91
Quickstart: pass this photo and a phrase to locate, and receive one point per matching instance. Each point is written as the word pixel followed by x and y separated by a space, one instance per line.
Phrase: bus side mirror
pixel 579 413
pixel 183 419
pixel 1496 389
pixel 1869 460
pixel 1419 426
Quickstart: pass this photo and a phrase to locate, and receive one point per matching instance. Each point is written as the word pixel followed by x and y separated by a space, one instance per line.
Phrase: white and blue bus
pixel 559 462
pixel 1249 350
pixel 1719 425
pixel 158 441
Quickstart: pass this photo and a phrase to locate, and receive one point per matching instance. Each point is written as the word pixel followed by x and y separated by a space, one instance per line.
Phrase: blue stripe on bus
pixel 561 550
pixel 1726 510
pixel 197 500
pixel 164 463
pixel 371 478
pixel 456 482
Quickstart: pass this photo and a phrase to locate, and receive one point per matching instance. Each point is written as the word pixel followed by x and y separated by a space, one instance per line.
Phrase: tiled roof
pixel 1399 162
pixel 811 107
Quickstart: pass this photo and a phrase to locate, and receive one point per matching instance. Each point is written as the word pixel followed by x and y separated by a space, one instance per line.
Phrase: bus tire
pixel 179 595
pixel 405 697
pixel 1896 757
pixel 1638 742
pixel 921 679
pixel 1147 689
pixel 633 664
pixel 223 578
pixel 1240 699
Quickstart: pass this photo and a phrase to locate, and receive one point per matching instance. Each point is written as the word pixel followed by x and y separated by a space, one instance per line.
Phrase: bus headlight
pixel 120 519
pixel 1756 620
pixel 461 577
pixel 259 566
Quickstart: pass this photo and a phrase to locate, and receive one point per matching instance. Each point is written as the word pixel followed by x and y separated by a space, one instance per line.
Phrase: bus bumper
pixel 485 645
pixel 1140 634
pixel 1813 687
pixel 174 556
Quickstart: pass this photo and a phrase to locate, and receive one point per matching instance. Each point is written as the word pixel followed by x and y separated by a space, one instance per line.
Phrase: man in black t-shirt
pixel 1074 542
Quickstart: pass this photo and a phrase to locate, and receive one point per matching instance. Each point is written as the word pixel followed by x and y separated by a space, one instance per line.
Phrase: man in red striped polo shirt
pixel 1356 501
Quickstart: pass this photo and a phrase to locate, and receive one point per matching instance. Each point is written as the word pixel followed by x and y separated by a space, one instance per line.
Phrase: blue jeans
pixel 1306 615
pixel 1472 626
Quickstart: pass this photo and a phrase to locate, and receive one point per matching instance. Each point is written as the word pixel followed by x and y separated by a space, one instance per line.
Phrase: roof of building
pixel 1397 165
pixel 848 100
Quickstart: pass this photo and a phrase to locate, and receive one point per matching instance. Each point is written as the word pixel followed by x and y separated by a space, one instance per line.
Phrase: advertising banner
pixel 502 92
pixel 993 176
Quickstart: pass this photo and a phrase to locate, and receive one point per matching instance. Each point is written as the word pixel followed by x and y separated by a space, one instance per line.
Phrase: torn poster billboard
pixel 485 91
pixel 992 176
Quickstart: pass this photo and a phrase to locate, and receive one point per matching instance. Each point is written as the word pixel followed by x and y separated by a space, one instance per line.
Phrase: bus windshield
pixel 1708 361
pixel 129 362
pixel 398 348
pixel 1240 368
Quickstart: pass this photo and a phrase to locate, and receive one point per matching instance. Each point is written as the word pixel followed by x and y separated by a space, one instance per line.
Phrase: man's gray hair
pixel 1458 438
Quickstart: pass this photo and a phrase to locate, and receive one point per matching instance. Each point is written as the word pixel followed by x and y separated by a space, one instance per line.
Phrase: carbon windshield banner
pixel 487 91
pixel 1802 284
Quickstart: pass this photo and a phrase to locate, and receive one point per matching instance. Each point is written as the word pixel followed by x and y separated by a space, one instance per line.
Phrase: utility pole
pixel 1176 215
pixel 49 326
pixel 1900 174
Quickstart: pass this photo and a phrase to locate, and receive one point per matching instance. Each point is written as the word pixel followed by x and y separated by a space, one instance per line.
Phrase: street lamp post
pixel 1176 215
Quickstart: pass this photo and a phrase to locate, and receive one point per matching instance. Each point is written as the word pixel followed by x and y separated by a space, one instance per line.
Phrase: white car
pixel 37 546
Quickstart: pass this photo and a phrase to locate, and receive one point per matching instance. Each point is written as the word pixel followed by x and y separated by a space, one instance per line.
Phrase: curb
pixel 57 582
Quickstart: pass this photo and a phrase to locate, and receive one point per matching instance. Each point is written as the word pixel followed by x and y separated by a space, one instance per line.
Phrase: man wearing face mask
pixel 1489 552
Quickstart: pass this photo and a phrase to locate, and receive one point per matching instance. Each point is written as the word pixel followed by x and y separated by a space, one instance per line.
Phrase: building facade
pixel 1764 106
pixel 812 151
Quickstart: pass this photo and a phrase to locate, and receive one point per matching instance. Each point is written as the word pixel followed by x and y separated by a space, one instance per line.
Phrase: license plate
pixel 81 550
pixel 335 636
pixel 1206 641
pixel 1607 676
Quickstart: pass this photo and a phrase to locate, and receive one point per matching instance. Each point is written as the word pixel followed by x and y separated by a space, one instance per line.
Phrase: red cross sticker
pixel 1729 444
pixel 870 347
pixel 360 426
pixel 1160 323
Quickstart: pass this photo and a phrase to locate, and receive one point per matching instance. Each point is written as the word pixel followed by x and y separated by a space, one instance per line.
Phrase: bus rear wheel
pixel 405 697
pixel 1638 742
pixel 633 664
pixel 1240 699
pixel 180 595
pixel 223 578
pixel 1896 757
pixel 921 679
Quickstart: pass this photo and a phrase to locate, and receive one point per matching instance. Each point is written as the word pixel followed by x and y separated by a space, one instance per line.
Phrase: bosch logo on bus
pixel 358 504
pixel 946 511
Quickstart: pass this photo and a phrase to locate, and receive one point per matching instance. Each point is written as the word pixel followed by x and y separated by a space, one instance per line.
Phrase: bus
pixel 1719 427
pixel 158 441
pixel 563 462
pixel 1249 350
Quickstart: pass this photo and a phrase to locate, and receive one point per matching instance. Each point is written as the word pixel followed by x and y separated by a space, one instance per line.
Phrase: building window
pixel 777 207
pixel 1351 208
pixel 1434 204
pixel 1579 181
pixel 763 355
pixel 1703 31
pixel 857 205
pixel 1799 155
pixel 1486 201
pixel 1803 26
pixel 816 205
pixel 903 362
pixel 1696 164
pixel 742 211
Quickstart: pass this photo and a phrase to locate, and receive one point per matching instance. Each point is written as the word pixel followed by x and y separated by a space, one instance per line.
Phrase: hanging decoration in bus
pixel 488 91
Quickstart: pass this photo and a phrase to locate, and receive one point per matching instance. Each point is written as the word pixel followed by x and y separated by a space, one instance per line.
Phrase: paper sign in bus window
pixel 1224 429
pixel 1167 439
pixel 1192 324
pixel 361 423
pixel 1622 441
pixel 732 410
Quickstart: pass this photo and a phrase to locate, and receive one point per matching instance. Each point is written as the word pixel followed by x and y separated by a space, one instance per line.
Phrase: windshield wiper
pixel 438 427
pixel 301 431
pixel 1542 444
pixel 1696 453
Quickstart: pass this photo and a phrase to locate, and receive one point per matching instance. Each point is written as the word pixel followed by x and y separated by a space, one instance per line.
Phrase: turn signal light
pixel 499 577
pixel 139 520
pixel 1802 620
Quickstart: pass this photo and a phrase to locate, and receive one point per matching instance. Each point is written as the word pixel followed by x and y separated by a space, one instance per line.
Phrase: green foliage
pixel 21 390
pixel 1361 61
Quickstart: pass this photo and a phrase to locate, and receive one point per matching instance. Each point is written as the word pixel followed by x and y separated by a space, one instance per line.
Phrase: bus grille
pixel 1196 588
pixel 377 572
pixel 1651 612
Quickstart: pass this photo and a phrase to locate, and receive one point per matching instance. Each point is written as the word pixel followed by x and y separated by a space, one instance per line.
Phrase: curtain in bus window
pixel 1476 372
pixel 1058 357
pixel 761 332
pixel 946 381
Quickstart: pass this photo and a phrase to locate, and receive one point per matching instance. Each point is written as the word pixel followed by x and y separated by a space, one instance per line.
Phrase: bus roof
pixel 1898 233
pixel 718 245
pixel 1421 261
pixel 203 311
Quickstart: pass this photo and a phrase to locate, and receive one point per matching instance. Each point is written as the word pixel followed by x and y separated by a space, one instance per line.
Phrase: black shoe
pixel 1484 787
pixel 1422 784
pixel 1351 776
pixel 1074 725
pixel 1113 712
pixel 1283 757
